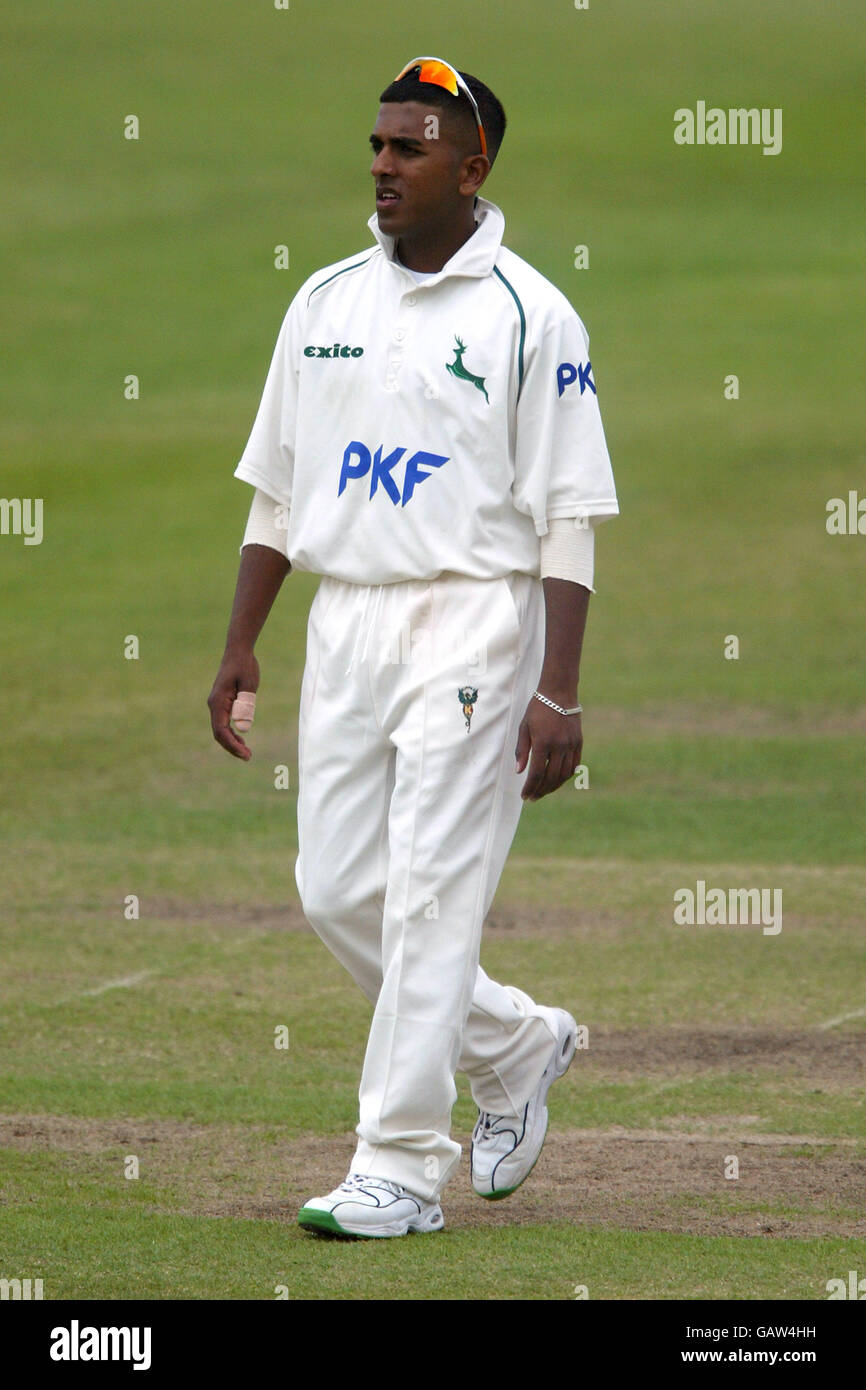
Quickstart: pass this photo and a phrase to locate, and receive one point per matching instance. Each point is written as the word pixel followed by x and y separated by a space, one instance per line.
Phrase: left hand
pixel 556 744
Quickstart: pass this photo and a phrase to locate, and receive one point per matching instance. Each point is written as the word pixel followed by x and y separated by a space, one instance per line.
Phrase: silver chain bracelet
pixel 578 709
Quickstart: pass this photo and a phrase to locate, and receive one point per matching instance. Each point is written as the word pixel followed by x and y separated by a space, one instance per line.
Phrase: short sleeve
pixel 562 466
pixel 267 461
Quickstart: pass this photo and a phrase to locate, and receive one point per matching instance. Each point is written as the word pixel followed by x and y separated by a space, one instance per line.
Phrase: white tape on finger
pixel 244 710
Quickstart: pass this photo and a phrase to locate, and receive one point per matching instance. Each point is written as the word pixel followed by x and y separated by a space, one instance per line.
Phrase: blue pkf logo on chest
pixel 358 461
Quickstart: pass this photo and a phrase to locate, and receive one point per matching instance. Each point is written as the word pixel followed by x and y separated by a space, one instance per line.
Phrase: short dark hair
pixel 489 105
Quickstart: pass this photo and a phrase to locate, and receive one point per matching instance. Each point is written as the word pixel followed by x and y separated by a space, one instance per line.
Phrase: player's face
pixel 418 168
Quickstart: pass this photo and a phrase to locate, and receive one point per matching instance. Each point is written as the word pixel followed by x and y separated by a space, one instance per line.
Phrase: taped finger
pixel 244 710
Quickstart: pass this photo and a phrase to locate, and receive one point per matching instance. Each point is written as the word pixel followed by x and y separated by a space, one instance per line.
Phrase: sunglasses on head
pixel 441 74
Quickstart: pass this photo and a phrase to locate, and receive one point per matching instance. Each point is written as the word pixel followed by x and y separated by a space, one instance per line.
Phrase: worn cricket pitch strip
pixel 668 1178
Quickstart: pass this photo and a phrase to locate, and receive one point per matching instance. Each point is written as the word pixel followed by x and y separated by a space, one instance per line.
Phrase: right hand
pixel 238 671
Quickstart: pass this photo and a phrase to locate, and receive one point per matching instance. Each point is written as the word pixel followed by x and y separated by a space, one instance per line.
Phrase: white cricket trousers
pixel 411 700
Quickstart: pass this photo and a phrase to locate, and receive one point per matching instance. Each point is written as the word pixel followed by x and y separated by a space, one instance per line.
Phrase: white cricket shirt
pixel 412 428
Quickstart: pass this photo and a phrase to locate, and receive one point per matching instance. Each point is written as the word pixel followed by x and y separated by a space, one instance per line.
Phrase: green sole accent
pixel 326 1224
pixel 507 1191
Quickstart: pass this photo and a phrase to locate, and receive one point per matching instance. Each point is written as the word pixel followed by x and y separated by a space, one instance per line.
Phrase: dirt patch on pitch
pixel 503 922
pixel 670 1180
pixel 508 920
pixel 265 916
pixel 523 920
pixel 676 1182
pixel 820 1060
pixel 787 1185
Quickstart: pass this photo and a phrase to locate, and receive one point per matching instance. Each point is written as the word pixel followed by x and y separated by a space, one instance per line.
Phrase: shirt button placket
pixel 395 358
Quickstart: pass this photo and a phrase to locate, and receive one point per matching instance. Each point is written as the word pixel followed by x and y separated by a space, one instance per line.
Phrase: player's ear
pixel 473 172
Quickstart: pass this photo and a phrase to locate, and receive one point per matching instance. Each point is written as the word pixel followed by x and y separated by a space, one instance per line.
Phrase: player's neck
pixel 428 250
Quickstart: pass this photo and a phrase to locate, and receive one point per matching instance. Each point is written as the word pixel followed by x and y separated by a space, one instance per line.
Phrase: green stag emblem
pixel 456 368
pixel 467 695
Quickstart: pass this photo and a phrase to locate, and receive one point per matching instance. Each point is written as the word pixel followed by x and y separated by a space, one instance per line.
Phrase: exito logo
pixel 336 350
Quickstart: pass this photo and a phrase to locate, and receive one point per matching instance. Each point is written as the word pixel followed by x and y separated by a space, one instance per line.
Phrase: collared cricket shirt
pixel 415 427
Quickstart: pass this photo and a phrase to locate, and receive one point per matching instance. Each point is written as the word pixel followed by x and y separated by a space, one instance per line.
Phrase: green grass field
pixel 154 1038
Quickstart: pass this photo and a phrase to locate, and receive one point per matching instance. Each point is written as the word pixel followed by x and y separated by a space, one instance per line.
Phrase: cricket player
pixel 429 442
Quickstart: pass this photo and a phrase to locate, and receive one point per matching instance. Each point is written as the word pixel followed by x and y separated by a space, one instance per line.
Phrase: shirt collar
pixel 477 255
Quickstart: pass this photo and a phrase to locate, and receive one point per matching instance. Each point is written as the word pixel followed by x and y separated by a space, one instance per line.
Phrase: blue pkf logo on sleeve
pixel 567 374
pixel 358 462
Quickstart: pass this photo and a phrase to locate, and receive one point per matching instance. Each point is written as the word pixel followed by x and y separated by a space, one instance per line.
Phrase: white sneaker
pixel 505 1148
pixel 363 1206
